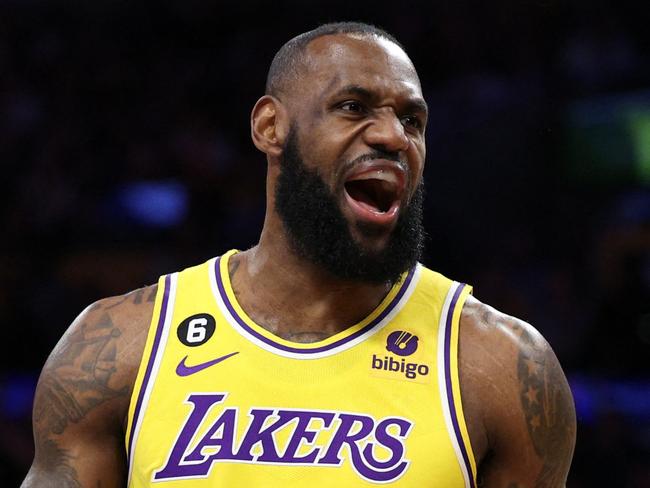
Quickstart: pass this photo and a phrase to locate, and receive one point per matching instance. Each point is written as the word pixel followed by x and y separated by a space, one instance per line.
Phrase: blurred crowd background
pixel 125 154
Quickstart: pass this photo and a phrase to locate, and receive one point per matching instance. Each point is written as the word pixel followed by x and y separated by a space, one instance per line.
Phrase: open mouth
pixel 377 195
pixel 374 191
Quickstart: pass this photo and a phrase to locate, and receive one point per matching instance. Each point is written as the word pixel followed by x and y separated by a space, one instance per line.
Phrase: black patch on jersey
pixel 196 329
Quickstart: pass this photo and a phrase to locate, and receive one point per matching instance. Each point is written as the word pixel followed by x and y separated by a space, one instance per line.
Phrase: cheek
pixel 416 160
pixel 326 153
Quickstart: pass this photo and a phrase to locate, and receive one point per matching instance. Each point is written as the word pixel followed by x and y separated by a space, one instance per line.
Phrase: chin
pixel 371 238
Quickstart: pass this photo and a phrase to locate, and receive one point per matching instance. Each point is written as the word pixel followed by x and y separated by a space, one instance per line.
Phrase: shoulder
pixel 514 386
pixel 504 348
pixel 83 393
pixel 119 324
pixel 95 362
pixel 507 337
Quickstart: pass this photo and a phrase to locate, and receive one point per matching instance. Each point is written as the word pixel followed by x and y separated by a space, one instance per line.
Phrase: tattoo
pixel 233 265
pixel 123 299
pixel 544 396
pixel 488 317
pixel 136 297
pixel 152 295
pixel 56 461
pixel 546 403
pixel 78 376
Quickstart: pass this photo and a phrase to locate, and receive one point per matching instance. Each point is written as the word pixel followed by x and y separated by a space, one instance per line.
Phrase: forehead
pixel 372 62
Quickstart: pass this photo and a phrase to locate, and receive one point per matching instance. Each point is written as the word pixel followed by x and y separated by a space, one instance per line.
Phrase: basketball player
pixel 325 355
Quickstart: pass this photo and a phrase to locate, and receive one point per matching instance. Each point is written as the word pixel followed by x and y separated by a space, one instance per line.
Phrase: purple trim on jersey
pixel 450 392
pixel 152 359
pixel 306 351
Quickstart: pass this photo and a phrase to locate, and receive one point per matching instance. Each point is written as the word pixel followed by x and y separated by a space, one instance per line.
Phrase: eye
pixel 352 106
pixel 412 121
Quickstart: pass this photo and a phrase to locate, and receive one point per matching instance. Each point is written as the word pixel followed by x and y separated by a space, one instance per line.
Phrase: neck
pixel 293 298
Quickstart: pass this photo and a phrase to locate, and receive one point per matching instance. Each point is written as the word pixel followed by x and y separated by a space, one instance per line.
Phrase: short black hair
pixel 286 61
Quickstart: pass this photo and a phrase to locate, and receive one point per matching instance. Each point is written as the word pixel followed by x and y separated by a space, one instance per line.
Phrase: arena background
pixel 125 154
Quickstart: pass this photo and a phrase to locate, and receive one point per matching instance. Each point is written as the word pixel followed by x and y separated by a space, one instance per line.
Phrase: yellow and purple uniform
pixel 221 402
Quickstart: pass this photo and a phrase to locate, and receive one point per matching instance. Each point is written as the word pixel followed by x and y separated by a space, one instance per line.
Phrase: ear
pixel 269 125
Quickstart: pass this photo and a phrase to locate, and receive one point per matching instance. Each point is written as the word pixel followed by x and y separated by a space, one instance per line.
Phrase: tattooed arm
pixel 518 404
pixel 83 394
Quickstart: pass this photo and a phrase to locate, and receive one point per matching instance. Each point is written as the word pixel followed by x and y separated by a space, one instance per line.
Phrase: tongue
pixel 363 198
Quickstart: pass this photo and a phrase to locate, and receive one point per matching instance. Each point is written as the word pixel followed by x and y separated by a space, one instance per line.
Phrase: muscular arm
pixel 520 412
pixel 83 394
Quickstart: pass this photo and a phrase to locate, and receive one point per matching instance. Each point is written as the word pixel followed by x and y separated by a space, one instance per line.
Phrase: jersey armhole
pixel 147 370
pixel 449 380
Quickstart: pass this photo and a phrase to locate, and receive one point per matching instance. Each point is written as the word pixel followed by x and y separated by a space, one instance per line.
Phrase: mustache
pixel 377 154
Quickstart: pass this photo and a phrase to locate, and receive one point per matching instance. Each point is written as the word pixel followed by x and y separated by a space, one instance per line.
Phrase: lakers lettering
pixel 194 456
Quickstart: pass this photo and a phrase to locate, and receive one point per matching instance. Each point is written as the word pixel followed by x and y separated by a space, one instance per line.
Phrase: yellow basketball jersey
pixel 221 402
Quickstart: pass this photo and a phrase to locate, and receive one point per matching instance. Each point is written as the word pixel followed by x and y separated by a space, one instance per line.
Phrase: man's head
pixel 342 125
pixel 288 64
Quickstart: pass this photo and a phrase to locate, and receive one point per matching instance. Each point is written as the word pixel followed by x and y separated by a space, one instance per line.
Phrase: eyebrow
pixel 411 105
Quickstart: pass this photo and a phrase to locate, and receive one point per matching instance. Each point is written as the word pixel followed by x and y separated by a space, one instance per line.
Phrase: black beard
pixel 318 231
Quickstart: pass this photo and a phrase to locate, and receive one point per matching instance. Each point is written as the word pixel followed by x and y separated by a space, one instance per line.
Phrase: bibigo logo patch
pixel 400 344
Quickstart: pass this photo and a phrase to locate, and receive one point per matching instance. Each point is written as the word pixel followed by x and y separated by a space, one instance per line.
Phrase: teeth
pixel 378 174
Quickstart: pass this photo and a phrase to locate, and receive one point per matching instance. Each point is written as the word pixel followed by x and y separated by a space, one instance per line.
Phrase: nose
pixel 386 133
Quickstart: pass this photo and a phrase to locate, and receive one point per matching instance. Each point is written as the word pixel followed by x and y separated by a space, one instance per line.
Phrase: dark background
pixel 125 154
